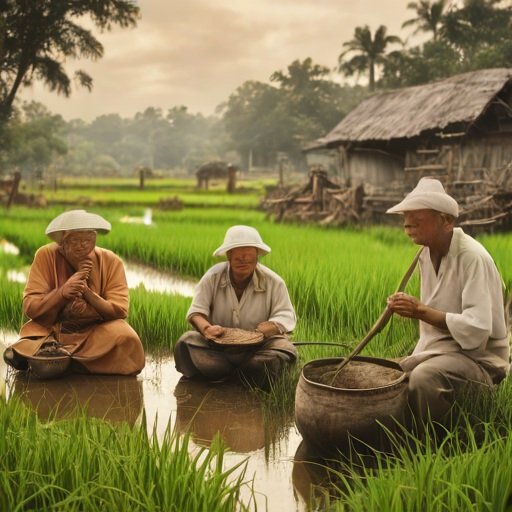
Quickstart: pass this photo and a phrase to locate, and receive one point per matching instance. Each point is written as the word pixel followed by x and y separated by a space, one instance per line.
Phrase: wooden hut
pixel 459 129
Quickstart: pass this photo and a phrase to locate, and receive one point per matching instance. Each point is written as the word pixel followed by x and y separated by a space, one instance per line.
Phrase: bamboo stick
pixel 381 322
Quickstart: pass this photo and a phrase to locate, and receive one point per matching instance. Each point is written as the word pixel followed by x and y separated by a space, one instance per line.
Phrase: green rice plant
pixel 338 280
pixel 151 197
pixel 158 318
pixel 11 310
pixel 460 474
pixel 160 184
pixel 86 464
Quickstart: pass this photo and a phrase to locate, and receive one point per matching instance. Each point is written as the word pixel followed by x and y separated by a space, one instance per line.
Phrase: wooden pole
pixel 14 188
pixel 381 322
pixel 142 173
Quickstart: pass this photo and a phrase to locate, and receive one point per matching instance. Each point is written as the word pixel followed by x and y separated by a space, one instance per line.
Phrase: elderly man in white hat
pixel 78 292
pixel 463 333
pixel 239 293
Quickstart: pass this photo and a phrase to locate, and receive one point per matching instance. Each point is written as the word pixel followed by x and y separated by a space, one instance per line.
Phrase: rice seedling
pixel 151 197
pixel 90 464
pixel 460 474
pixel 338 279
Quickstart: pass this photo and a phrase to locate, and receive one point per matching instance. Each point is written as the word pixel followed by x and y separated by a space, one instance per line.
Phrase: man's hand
pixel 405 305
pixel 213 330
pixel 408 306
pixel 74 286
pixel 268 329
pixel 85 266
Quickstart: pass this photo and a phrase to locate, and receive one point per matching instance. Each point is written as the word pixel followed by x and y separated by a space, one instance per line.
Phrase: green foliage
pixel 470 471
pixel 265 120
pixel 37 37
pixel 474 35
pixel 32 139
pixel 151 138
pixel 89 464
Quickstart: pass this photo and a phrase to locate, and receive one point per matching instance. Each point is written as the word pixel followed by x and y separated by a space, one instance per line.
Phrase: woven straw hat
pixel 430 194
pixel 242 236
pixel 76 220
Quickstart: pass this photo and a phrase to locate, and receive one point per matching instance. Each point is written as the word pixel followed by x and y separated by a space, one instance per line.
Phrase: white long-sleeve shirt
pixel 265 299
pixel 468 287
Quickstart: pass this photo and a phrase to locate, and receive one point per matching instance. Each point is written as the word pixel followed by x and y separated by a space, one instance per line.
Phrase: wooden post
pixel 14 188
pixel 142 173
pixel 318 190
pixel 449 166
pixel 281 172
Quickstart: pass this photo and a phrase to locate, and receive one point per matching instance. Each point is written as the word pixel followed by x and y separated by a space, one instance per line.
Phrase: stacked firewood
pixel 319 200
pixel 484 205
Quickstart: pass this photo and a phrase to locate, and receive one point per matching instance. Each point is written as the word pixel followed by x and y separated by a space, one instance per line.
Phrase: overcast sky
pixel 197 52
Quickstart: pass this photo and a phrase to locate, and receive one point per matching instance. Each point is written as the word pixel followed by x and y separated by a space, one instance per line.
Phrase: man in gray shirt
pixel 239 293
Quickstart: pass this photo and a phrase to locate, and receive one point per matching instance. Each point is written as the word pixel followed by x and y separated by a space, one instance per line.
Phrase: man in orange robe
pixel 80 292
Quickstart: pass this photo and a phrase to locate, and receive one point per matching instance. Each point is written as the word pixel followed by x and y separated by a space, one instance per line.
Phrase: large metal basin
pixel 329 418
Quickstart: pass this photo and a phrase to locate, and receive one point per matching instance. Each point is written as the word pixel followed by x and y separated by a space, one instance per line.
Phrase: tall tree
pixel 479 25
pixel 37 36
pixel 35 139
pixel 371 52
pixel 429 16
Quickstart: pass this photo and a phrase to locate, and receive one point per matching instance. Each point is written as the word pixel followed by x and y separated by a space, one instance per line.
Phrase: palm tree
pixel 371 52
pixel 429 16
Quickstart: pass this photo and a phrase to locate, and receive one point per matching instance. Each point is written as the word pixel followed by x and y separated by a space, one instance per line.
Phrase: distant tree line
pixel 259 119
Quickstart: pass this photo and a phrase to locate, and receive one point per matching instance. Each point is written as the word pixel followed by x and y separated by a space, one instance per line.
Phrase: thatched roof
pixel 406 113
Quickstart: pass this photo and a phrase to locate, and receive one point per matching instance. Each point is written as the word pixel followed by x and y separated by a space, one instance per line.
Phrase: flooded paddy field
pixel 204 409
pixel 338 282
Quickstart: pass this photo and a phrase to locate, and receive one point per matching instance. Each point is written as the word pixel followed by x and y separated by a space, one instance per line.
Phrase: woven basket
pixel 48 367
pixel 237 337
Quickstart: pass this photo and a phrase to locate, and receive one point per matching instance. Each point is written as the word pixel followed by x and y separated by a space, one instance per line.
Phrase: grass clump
pixel 464 473
pixel 89 464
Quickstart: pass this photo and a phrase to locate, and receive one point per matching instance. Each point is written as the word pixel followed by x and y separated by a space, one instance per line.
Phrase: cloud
pixel 198 52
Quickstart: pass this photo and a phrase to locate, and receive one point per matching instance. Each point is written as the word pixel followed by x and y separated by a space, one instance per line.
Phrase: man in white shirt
pixel 239 293
pixel 463 333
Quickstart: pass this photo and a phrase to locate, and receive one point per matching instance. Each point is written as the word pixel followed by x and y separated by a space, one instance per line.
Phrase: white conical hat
pixel 242 236
pixel 76 220
pixel 429 193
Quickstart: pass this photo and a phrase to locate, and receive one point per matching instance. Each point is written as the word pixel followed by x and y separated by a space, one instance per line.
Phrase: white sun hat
pixel 242 236
pixel 76 220
pixel 430 194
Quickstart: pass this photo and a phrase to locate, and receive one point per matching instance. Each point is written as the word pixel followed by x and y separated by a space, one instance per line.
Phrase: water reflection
pixel 201 407
pixel 113 398
pixel 157 281
pixel 136 274
pixel 206 409
pixel 8 248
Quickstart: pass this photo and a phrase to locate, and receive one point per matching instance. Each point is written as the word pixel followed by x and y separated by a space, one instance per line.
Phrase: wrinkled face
pixel 77 245
pixel 426 227
pixel 243 261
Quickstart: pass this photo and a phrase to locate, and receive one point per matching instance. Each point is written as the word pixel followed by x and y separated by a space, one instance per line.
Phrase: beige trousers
pixel 435 384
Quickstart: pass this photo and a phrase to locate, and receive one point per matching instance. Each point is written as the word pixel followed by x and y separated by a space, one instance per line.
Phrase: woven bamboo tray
pixel 237 337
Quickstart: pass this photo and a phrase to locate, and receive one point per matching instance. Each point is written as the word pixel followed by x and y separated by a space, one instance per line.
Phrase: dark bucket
pixel 330 419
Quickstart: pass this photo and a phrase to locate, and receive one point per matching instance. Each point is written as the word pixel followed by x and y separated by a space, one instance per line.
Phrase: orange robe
pixel 100 346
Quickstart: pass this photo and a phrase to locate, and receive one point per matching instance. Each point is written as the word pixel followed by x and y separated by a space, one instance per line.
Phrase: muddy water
pixel 203 407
